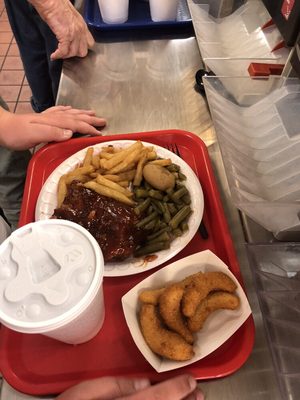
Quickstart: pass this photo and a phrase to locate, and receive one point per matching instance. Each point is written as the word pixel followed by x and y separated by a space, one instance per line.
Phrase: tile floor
pixel 14 88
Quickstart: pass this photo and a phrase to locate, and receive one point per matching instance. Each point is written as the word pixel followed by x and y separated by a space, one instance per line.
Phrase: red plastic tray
pixel 38 365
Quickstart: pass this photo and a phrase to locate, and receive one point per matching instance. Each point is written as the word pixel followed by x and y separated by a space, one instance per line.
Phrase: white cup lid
pixel 4 230
pixel 48 269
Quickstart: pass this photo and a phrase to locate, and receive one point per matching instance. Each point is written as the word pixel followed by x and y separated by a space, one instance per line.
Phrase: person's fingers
pixel 78 111
pixel 107 388
pixel 62 51
pixel 57 108
pixel 196 395
pixel 74 47
pixel 56 55
pixel 177 388
pixel 73 125
pixel 41 134
pixel 89 119
pixel 62 135
pixel 83 47
pixel 75 122
pixel 68 110
pixel 46 133
pixel 90 40
pixel 87 129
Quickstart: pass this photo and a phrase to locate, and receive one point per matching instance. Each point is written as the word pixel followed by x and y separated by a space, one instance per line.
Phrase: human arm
pixel 24 131
pixel 182 387
pixel 70 29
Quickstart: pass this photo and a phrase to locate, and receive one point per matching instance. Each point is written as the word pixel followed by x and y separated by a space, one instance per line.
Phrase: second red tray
pixel 38 365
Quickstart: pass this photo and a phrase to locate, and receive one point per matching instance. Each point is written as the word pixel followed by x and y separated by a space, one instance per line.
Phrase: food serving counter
pixel 145 83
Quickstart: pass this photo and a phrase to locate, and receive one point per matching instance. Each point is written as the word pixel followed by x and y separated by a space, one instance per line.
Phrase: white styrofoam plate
pixel 47 202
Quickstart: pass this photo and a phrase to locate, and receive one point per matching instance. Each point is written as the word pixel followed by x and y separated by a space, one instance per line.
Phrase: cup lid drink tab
pixel 49 272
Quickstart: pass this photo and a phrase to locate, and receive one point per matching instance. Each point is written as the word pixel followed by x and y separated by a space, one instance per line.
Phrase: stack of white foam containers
pixel 230 35
pixel 256 120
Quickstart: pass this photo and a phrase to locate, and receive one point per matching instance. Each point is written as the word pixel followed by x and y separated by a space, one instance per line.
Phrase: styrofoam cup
pixel 163 10
pixel 4 230
pixel 51 275
pixel 114 11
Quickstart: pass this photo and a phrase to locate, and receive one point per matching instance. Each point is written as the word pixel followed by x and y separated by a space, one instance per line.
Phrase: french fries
pixel 113 185
pixel 108 192
pixel 61 190
pixel 110 172
pixel 163 163
pixel 139 169
pixel 88 157
pixel 122 155
pixel 129 159
pixel 82 171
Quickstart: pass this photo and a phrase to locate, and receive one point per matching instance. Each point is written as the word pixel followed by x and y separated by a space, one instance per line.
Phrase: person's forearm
pixel 49 8
pixel 1 110
pixel 43 3
pixel 3 131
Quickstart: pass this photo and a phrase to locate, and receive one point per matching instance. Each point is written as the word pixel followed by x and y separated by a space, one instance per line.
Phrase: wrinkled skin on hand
pixel 70 29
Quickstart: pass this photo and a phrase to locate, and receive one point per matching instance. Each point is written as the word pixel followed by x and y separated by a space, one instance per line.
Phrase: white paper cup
pixel 114 11
pixel 4 230
pixel 163 10
pixel 51 275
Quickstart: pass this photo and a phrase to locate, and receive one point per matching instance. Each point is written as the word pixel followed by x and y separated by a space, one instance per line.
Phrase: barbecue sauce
pixel 111 222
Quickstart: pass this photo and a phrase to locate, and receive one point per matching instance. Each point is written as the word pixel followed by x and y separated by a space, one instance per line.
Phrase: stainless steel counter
pixel 147 84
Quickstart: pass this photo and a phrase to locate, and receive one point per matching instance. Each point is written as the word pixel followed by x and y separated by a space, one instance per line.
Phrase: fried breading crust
pixel 170 311
pixel 214 301
pixel 160 340
pixel 151 296
pixel 201 286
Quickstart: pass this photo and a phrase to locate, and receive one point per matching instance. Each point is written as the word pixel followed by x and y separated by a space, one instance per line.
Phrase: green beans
pixel 172 208
pixel 139 192
pixel 156 194
pixel 150 225
pixel 163 214
pixel 177 232
pixel 187 198
pixel 181 176
pixel 156 207
pixel 179 193
pixel 163 237
pixel 184 226
pixel 151 248
pixel 166 213
pixel 142 206
pixel 173 168
pixel 146 220
pixel 183 213
pixel 159 232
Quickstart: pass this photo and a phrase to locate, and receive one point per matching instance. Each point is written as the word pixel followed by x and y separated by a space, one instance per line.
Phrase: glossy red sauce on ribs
pixel 111 222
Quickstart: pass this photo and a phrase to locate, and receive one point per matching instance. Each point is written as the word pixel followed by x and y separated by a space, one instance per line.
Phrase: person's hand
pixel 183 387
pixel 24 131
pixel 70 29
